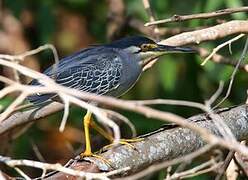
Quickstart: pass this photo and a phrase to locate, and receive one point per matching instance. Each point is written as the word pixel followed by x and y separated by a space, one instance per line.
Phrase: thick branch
pixel 207 34
pixel 165 144
pixel 20 118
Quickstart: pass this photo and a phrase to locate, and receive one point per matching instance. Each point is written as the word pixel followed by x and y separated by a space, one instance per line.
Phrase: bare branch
pixel 57 167
pixel 221 46
pixel 207 34
pixel 217 58
pixel 148 9
pixel 242 57
pixel 203 168
pixel 241 161
pixel 225 165
pixel 22 56
pixel 65 115
pixel 231 172
pixel 179 18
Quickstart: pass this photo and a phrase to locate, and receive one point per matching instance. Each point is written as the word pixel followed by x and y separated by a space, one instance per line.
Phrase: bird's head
pixel 146 48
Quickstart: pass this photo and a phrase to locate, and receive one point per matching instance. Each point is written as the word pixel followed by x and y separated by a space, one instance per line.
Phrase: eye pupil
pixel 144 46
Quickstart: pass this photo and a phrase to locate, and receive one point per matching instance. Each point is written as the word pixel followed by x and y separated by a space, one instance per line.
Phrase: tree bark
pixel 163 144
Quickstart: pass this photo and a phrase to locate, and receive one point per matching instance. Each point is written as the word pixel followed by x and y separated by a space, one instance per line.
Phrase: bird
pixel 109 69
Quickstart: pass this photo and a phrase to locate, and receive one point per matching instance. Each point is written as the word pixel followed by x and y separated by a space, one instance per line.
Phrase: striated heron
pixel 110 69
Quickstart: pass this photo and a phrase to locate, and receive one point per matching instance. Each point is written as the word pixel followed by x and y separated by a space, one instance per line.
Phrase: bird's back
pixel 96 70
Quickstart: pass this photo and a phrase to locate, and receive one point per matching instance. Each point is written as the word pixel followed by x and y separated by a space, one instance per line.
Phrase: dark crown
pixel 130 41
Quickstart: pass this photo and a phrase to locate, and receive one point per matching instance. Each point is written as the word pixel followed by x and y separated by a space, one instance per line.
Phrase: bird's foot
pixel 126 142
pixel 90 154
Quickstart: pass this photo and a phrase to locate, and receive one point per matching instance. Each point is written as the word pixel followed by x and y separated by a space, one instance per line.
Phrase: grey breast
pixel 130 72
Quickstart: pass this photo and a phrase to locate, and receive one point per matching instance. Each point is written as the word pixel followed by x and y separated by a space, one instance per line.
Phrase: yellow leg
pixel 101 131
pixel 111 139
pixel 87 122
pixel 109 136
pixel 87 119
pixel 125 142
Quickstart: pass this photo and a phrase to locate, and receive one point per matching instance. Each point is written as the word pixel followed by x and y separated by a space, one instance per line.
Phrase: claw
pixel 125 142
pixel 83 155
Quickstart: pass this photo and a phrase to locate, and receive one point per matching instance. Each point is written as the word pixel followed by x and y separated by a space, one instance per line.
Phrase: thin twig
pixel 179 18
pixel 241 161
pixel 37 151
pixel 125 120
pixel 200 169
pixel 226 163
pixel 218 121
pixel 65 115
pixel 148 9
pixel 12 106
pixel 22 56
pixel 57 167
pixel 219 59
pixel 242 57
pixel 215 50
pixel 214 97
pixel 212 168
pixel 22 173
pixel 171 102
pixel 232 171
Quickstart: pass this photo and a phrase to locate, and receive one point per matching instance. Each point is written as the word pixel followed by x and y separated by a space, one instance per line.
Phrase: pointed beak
pixel 173 49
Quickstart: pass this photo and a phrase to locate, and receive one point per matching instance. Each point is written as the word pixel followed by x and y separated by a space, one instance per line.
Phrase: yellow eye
pixel 144 47
pixel 147 47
